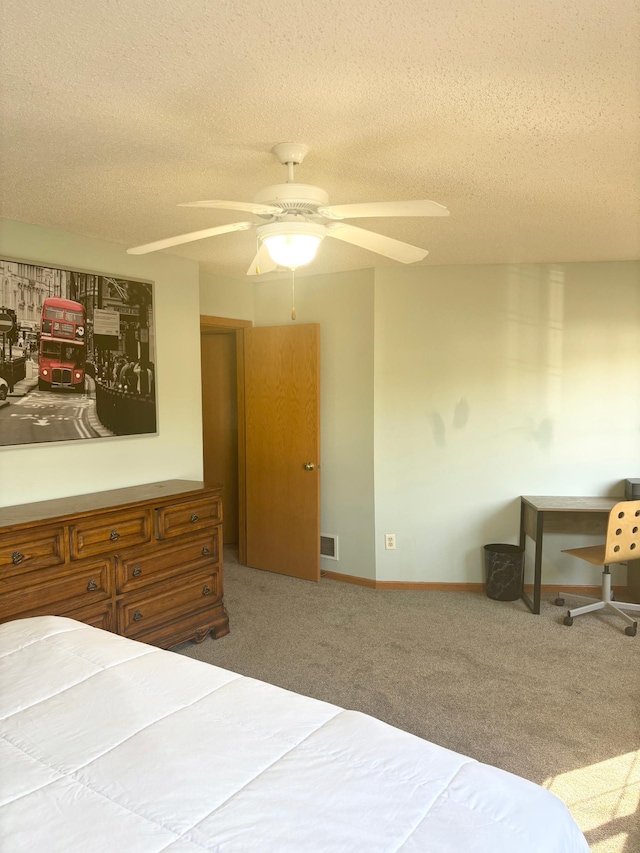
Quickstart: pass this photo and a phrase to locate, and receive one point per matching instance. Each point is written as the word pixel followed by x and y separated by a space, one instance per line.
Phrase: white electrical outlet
pixel 390 541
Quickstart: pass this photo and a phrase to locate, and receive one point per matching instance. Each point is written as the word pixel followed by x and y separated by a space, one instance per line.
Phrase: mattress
pixel 112 745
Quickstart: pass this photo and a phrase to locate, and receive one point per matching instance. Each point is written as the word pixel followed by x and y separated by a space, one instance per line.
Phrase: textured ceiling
pixel 523 118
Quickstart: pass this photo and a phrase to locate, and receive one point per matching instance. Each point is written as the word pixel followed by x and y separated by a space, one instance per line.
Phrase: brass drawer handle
pixel 206 590
pixel 194 517
pixel 205 550
pixel 114 536
pixel 92 585
pixel 137 616
pixel 137 571
pixel 17 558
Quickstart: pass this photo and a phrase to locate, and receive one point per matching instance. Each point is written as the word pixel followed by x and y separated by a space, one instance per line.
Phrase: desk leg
pixel 537 572
pixel 523 542
pixel 534 606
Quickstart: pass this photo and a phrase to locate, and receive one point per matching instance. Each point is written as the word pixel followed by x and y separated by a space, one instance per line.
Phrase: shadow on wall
pixel 541 433
pixel 459 420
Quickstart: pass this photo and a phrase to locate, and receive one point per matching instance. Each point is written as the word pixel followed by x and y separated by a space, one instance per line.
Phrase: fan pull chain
pixel 293 294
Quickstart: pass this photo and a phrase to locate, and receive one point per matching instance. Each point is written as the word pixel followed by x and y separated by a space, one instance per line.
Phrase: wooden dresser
pixel 144 561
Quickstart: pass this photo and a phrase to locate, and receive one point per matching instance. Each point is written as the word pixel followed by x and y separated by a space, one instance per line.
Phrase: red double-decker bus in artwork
pixel 63 349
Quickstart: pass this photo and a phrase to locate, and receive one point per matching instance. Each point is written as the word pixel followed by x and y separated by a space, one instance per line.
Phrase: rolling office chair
pixel 622 543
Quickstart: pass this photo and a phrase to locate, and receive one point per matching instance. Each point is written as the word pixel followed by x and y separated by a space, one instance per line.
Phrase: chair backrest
pixel 623 533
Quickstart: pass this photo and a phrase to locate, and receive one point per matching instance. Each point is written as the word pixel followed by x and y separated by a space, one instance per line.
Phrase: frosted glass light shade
pixel 292 244
pixel 292 250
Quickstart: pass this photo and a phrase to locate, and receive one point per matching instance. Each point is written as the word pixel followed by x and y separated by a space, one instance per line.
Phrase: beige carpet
pixel 557 705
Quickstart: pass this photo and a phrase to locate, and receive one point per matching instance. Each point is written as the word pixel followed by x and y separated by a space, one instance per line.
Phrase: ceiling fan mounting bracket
pixel 290 152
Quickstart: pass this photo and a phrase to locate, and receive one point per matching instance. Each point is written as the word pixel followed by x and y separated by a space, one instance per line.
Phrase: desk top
pixel 570 504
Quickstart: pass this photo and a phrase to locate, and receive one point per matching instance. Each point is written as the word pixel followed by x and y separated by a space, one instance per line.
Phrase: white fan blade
pixel 245 206
pixel 263 262
pixel 189 238
pixel 399 251
pixel 422 207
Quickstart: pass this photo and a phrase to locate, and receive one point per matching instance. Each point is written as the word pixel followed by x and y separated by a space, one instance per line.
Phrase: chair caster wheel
pixel 631 630
pixel 559 602
pixel 568 620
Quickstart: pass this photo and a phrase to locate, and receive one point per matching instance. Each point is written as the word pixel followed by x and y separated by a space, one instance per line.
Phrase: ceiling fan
pixel 297 217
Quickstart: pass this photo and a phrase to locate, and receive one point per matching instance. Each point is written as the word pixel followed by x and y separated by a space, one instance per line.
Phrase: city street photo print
pixel 77 355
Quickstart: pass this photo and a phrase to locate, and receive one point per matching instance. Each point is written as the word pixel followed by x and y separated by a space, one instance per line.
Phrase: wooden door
pixel 220 422
pixel 282 449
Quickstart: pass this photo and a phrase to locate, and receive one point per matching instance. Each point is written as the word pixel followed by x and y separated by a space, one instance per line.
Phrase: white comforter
pixel 112 745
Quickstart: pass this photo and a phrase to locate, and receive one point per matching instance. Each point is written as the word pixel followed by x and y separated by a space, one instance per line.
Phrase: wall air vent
pixel 329 546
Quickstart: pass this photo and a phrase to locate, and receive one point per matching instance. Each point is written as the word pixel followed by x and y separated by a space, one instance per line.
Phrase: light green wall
pixel 38 472
pixel 447 392
pixel 225 297
pixel 492 382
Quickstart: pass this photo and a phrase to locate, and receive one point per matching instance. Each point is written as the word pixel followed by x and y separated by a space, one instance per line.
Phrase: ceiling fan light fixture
pixel 292 244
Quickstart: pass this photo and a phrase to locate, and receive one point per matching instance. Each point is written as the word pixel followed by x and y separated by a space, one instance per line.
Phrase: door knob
pixel 309 466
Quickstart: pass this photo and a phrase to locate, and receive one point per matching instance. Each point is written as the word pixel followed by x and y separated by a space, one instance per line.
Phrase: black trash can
pixel 503 566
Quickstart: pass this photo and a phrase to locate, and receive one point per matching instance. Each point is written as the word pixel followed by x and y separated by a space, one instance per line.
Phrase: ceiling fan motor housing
pixel 301 198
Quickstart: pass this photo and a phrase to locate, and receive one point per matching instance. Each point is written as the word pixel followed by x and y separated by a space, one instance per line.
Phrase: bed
pixel 113 745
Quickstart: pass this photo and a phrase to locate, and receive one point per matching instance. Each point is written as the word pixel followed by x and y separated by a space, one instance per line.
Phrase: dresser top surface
pixel 77 505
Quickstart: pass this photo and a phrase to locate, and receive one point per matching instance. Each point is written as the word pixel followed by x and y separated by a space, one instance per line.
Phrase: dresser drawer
pixel 109 533
pixel 138 614
pixel 99 616
pixel 194 626
pixel 176 519
pixel 26 552
pixel 141 569
pixel 55 592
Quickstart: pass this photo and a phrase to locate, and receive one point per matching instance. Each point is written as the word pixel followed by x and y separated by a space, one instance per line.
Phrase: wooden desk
pixel 567 514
